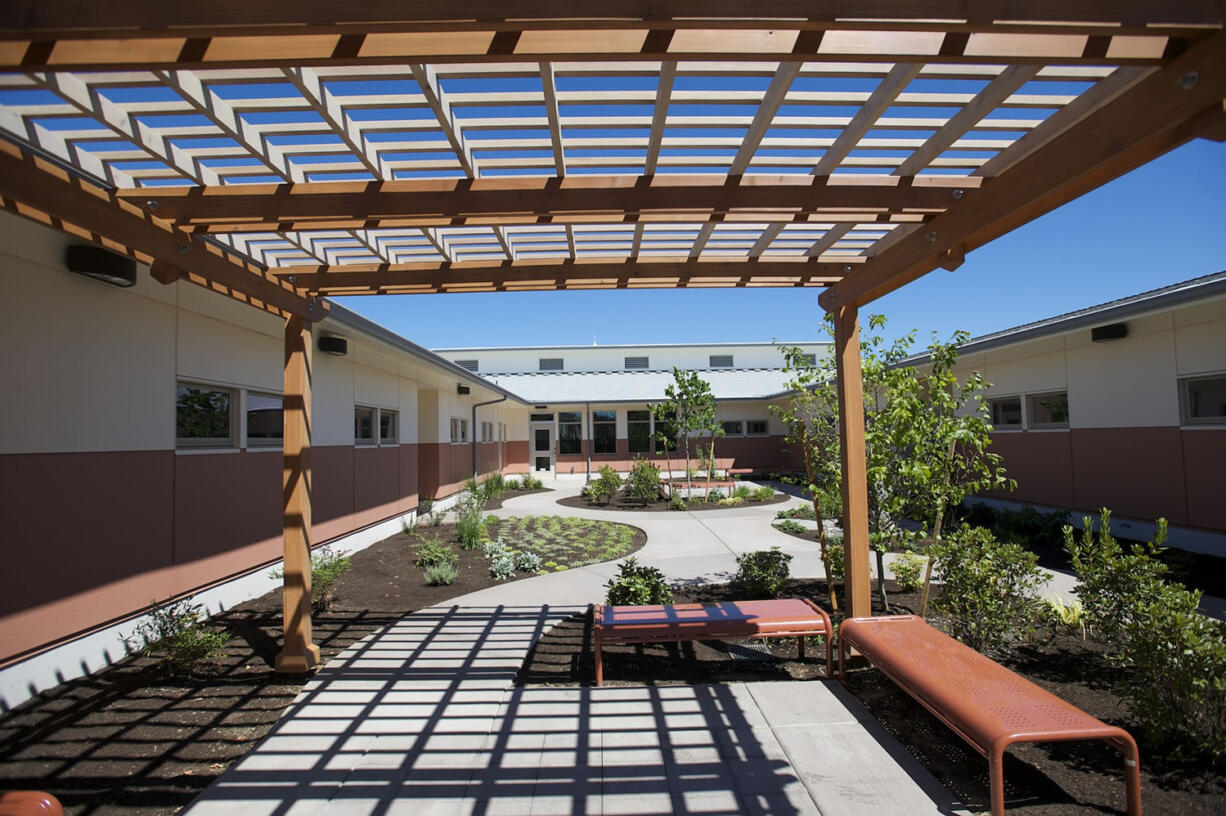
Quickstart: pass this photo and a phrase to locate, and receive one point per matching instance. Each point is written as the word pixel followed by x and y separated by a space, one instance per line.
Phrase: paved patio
pixel 424 718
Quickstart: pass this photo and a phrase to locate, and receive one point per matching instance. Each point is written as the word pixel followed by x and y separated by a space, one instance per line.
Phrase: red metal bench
pixel 29 803
pixel 986 704
pixel 786 617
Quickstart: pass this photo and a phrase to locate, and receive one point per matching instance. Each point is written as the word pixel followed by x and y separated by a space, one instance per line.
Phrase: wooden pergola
pixel 279 152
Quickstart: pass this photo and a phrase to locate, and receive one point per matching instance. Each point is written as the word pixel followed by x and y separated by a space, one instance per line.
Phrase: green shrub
pixel 469 523
pixel 731 501
pixel 789 526
pixel 676 501
pixel 604 487
pixel 763 493
pixel 442 573
pixel 715 496
pixel 742 491
pixel 837 557
pixel 636 585
pixel 908 571
pixel 510 484
pixel 830 502
pixel 1070 615
pixel 804 511
pixel 530 482
pixel 527 562
pixel 762 574
pixel 502 566
pixel 472 486
pixel 174 633
pixel 1175 657
pixel 425 507
pixel 492 549
pixel 432 553
pixel 327 566
pixel 494 486
pixel 643 483
pixel 990 588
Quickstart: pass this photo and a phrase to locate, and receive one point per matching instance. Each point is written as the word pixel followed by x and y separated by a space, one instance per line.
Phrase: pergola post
pixel 858 588
pixel 299 653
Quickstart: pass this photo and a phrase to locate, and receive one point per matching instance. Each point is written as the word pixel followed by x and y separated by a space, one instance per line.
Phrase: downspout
pixel 477 405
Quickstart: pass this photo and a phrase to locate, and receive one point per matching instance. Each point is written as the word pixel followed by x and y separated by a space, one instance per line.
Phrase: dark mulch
pixel 131 740
pixel 1051 779
pixel 622 501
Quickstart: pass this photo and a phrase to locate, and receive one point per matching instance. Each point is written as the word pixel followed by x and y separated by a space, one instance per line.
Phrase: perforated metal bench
pixel 987 705
pixel 786 617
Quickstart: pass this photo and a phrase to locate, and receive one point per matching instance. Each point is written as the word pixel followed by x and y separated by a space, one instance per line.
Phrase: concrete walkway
pixel 424 717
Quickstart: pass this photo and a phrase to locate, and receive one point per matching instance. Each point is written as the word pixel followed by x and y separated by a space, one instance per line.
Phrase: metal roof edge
pixel 635 346
pixel 353 320
pixel 1177 294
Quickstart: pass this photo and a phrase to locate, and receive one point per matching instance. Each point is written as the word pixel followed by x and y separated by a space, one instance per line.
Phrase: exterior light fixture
pixel 101 265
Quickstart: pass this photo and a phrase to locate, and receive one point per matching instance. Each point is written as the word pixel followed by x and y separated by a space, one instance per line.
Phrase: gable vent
pixel 636 362
pixel 550 364
pixel 721 361
pixel 471 365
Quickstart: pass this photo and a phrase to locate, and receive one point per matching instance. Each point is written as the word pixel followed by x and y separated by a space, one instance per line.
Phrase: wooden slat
pixel 436 97
pixel 776 92
pixel 33 188
pixel 254 205
pixel 312 90
pixel 1156 115
pixel 857 583
pixel 659 117
pixel 549 86
pixel 882 97
pixel 828 240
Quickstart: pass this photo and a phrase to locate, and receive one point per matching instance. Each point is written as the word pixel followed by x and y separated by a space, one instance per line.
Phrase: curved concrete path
pixel 424 718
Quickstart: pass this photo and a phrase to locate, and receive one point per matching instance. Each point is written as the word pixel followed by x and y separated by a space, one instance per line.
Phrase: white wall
pixel 613 358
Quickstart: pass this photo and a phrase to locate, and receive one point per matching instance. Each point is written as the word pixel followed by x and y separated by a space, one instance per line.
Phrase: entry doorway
pixel 541 434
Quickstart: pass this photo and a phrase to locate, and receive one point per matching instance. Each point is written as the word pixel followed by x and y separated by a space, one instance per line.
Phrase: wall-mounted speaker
pixel 462 389
pixel 1113 331
pixel 337 346
pixel 101 265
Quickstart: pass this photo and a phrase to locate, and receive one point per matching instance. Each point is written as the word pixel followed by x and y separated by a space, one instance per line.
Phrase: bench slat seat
pixel 786 617
pixel 986 704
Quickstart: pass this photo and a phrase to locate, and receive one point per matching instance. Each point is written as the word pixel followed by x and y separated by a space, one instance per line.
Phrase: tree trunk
pixel 936 533
pixel 821 526
pixel 885 600
pixel 710 467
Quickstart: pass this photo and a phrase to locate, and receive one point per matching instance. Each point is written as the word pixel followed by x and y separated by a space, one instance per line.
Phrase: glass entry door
pixel 542 447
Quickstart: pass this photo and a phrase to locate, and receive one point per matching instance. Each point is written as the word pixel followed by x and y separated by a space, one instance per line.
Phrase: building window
pixel 720 360
pixel 757 427
pixel 637 362
pixel 734 427
pixel 388 422
pixel 1048 410
pixel 204 416
pixel 471 365
pixel 459 429
pixel 487 432
pixel 265 420
pixel 604 432
pixel 570 432
pixel 363 425
pixel 638 431
pixel 1204 400
pixel 541 418
pixel 550 364
pixel 1006 412
pixel 809 359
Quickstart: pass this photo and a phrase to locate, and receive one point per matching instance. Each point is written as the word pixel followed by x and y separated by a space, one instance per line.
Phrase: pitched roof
pixel 635 386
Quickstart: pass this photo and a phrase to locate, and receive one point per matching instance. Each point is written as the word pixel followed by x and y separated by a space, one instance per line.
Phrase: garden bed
pixel 621 501
pixel 496 502
pixel 131 740
pixel 1052 779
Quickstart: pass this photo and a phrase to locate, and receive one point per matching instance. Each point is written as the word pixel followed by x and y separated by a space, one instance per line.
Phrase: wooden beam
pixel 1157 114
pixel 312 89
pixel 550 87
pixel 857 584
pixel 341 279
pixel 165 273
pixel 436 97
pixel 227 33
pixel 34 188
pixel 894 83
pixel 776 92
pixel 659 116
pixel 299 653
pixel 362 205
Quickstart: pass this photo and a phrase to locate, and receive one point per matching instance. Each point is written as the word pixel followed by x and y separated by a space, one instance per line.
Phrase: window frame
pixel 1033 399
pixel 363 441
pixel 646 420
pixel 766 427
pixel 205 443
pixel 604 424
pixel 394 439
pixel 1185 415
pixel 563 424
pixel 459 430
pixel 1021 412
pixel 259 441
pixel 740 427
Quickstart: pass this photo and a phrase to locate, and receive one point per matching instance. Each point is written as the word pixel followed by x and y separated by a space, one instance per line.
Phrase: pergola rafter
pixel 498 146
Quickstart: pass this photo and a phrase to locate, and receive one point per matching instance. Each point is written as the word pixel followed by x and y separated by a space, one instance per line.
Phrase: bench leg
pixel 800 648
pixel 842 658
pixel 996 776
pixel 830 656
pixel 599 664
pixel 1132 774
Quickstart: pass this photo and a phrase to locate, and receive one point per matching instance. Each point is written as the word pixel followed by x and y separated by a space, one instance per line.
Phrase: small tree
pixel 690 395
pixel 811 417
pixel 664 421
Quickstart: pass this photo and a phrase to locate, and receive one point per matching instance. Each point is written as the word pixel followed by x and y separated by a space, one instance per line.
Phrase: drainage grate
pixel 750 651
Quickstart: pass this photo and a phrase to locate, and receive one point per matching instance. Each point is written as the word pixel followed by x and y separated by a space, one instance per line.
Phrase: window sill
pixel 1053 429
pixel 1204 426
pixel 205 450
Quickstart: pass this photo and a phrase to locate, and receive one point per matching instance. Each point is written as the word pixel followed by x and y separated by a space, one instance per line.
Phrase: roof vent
pixel 471 365
pixel 1112 331
pixel 721 361
pixel 637 362
pixel 550 364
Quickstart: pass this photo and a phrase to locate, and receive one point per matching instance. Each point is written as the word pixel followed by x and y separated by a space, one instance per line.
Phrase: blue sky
pixel 1162 223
